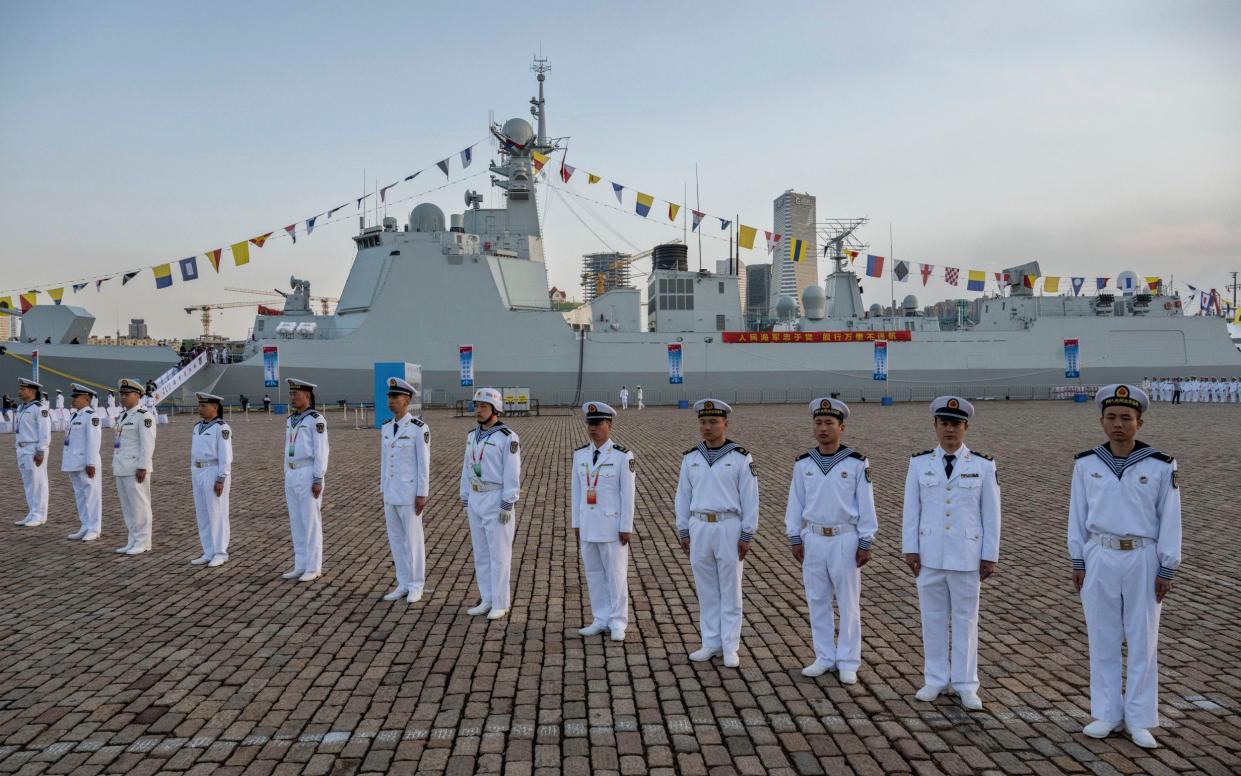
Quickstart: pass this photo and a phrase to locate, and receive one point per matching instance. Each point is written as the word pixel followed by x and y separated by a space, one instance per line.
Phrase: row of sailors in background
pixel 1124 525
pixel 59 414
pixel 1214 390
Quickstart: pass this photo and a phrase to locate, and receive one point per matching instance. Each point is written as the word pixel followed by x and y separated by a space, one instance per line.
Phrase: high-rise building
pixel 603 272
pixel 6 327
pixel 137 328
pixel 758 291
pixel 794 219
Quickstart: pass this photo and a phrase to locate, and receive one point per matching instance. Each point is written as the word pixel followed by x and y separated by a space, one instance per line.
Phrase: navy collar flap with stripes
pixel 827 462
pixel 714 455
pixel 1118 465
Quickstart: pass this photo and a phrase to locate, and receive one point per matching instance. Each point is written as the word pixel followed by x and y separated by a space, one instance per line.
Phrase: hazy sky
pixel 1091 136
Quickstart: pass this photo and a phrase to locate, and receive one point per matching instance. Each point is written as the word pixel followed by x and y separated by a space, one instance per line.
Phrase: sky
pixel 1092 137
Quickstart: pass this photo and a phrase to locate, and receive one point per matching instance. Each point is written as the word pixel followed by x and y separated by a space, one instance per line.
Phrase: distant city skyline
pixel 1093 138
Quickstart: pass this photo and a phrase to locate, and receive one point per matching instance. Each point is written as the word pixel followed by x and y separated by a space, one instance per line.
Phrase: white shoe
pixel 482 607
pixel 77 534
pixel 216 562
pixel 618 634
pixel 848 677
pixel 201 560
pixel 294 574
pixel 928 693
pixel 1100 729
pixel 703 655
pixel 397 594
pixel 36 523
pixel 496 614
pixel 594 629
pixel 310 576
pixel 136 550
pixel 1142 737
pixel 731 660
pixel 123 550
pixel 414 597
pixel 970 701
pixel 90 537
pixel 23 521
pixel 817 668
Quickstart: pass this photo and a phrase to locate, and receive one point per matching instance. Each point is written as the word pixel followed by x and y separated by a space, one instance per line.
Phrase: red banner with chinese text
pixel 768 337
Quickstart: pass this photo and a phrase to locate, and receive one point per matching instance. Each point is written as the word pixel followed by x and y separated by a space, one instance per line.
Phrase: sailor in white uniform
pixel 1125 545
pixel 211 466
pixel 60 415
pixel 132 466
pixel 490 487
pixel 624 398
pixel 716 518
pixel 404 480
pixel 602 501
pixel 33 426
pixel 82 461
pixel 306 452
pixel 831 522
pixel 951 541
pixel 641 404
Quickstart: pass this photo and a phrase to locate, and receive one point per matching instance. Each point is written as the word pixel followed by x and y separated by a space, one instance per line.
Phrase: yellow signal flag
pixel 1051 284
pixel 241 253
pixel 592 178
pixel 672 211
pixel 56 294
pixel 745 236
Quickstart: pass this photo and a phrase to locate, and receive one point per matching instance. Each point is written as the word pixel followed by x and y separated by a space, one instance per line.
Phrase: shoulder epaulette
pixel 620 448
pixel 924 452
pixel 582 447
pixel 1163 457
pixel 506 431
pixel 389 420
pixel 417 422
pixel 313 414
pixel 983 455
pixel 858 455
pixel 140 409
pixel 1083 454
pixel 803 456
pixel 740 449
pixel 691 450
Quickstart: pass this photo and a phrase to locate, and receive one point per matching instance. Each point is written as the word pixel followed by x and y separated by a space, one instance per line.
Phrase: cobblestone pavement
pixel 112 664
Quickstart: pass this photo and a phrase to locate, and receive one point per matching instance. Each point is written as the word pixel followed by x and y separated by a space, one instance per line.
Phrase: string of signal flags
pixel 187 269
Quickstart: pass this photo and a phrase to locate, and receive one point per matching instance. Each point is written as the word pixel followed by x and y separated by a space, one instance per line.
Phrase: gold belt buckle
pixel 711 517
pixel 1126 544
pixel 828 530
pixel 474 486
pixel 292 465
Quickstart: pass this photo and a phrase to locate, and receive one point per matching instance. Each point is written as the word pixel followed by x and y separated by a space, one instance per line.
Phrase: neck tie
pixel 948 459
pixel 595 458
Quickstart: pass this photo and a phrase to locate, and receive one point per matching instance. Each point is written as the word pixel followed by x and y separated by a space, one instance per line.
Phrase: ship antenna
pixel 540 68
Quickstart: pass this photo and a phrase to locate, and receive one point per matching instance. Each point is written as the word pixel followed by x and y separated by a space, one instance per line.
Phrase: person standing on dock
pixel 624 398
pixel 211 466
pixel 305 467
pixel 132 466
pixel 82 462
pixel 404 480
pixel 32 423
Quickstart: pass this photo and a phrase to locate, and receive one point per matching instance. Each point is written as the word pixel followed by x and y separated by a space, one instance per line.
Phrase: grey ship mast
pixel 843 292
pixel 514 173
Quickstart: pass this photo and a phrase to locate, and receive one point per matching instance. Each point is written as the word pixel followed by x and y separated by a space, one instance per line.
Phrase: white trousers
pixel 136 508
pixel 305 519
pixel 34 480
pixel 211 511
pixel 493 548
pixel 408 549
pixel 624 404
pixel 607 580
pixel 829 570
pixel 1118 598
pixel 717 577
pixel 949 597
pixel 88 493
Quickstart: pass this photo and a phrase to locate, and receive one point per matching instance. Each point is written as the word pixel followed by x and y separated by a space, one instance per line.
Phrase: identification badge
pixel 66 440
pixel 290 451
pixel 478 470
pixel 590 496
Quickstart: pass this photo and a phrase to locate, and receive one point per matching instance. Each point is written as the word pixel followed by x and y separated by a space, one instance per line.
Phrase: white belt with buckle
pixel 1120 542
pixel 204 464
pixel 478 486
pixel 715 517
pixel 300 464
pixel 830 530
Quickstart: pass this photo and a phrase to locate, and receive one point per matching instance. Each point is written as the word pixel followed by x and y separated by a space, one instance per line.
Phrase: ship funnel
pixel 814 303
pixel 458 222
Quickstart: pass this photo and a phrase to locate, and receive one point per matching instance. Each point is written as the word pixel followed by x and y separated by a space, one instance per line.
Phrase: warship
pixel 420 290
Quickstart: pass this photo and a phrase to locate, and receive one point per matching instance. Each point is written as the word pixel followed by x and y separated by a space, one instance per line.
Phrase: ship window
pixel 663 285
pixel 719 321
pixel 721 291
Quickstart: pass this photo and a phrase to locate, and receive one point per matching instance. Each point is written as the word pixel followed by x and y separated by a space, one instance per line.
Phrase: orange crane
pixel 206 309
pixel 600 276
pixel 322 300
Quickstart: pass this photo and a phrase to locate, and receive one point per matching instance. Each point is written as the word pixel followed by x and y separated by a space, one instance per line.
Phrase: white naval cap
pixel 300 385
pixel 399 387
pixel 23 382
pixel 1121 395
pixel 952 408
pixel 59 391
pixel 490 396
pixel 133 386
pixel 77 389
pixel 204 398
pixel 826 405
pixel 597 410
pixel 712 408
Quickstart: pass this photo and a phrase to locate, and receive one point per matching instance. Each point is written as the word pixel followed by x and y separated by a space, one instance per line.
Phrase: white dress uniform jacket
pixel 717 507
pixel 831 512
pixel 490 493
pixel 211 461
pixel 306 456
pixel 610 476
pixel 82 439
pixel 405 475
pixel 1124 531
pixel 33 427
pixel 134 449
pixel 952 523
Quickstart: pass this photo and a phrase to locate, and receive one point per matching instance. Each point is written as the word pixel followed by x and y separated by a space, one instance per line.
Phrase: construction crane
pixel 324 301
pixel 601 274
pixel 206 309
